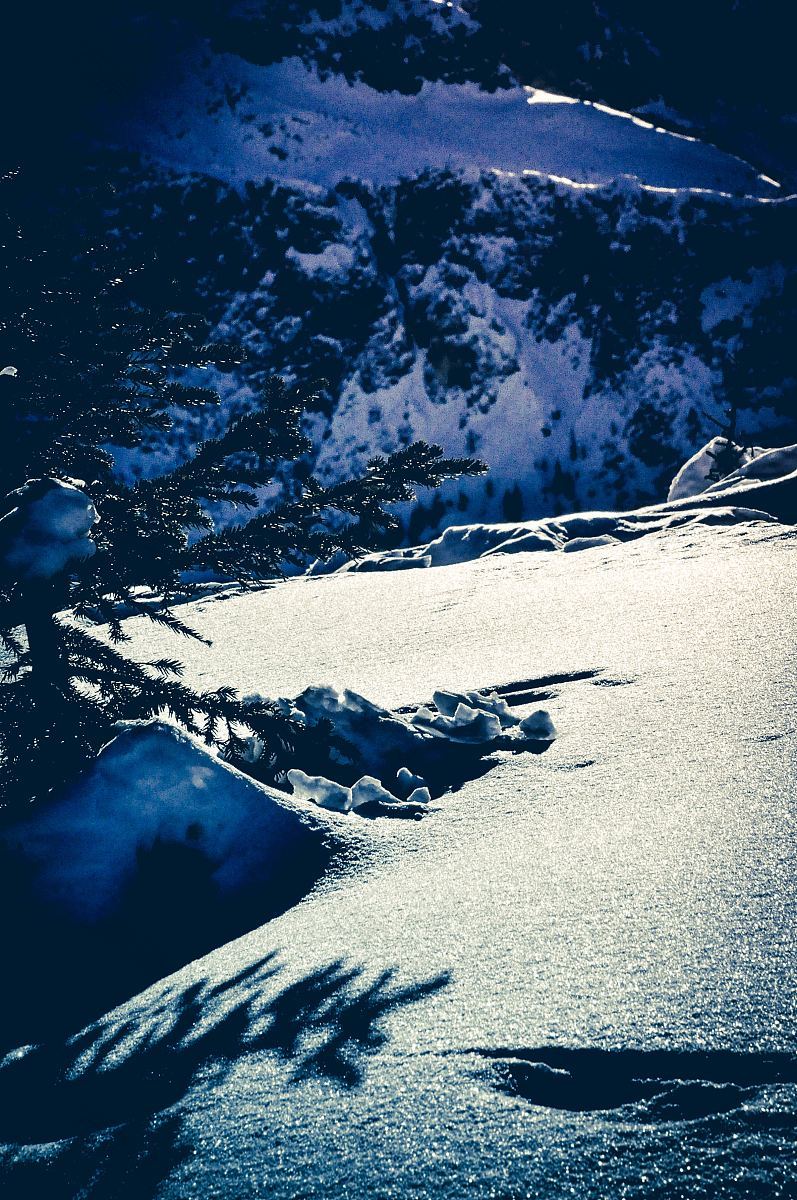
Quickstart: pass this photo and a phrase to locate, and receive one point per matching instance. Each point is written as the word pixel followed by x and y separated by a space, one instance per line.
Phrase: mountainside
pixel 376 196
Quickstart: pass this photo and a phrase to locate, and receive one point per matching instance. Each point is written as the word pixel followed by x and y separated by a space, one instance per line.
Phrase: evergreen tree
pixel 95 364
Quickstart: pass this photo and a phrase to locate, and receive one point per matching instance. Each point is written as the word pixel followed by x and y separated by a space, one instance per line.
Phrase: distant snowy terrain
pixel 285 122
pixel 376 207
pixel 573 976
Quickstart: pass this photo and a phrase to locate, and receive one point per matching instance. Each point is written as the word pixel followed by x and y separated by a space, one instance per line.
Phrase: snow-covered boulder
pixel 48 526
pixel 152 787
pixel 760 466
pixel 698 473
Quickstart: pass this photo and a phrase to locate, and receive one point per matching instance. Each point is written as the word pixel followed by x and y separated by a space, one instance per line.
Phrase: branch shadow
pixel 135 1064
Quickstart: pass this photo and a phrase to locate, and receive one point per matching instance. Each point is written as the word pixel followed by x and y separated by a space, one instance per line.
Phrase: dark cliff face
pixel 580 339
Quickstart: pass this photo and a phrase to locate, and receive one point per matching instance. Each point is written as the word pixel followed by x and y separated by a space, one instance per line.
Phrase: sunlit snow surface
pixel 236 121
pixel 409 1029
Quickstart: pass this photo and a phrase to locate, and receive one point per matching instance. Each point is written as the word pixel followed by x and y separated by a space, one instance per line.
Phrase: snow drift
pixel 762 488
pixel 152 786
pixel 158 852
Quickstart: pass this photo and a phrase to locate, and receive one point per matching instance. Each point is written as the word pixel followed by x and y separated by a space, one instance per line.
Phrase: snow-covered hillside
pixel 574 976
pixel 579 340
pixel 364 196
pixel 235 121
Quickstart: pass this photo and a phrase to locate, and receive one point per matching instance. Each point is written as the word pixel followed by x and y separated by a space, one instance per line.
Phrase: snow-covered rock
pixel 699 473
pixel 48 527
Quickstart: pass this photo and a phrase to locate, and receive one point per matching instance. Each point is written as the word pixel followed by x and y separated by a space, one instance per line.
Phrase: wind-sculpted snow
pixel 581 531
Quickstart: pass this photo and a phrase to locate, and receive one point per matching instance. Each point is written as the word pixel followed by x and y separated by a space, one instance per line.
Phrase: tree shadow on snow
pixel 123 1072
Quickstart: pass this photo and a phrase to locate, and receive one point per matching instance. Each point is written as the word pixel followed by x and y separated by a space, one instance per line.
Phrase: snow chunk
pixel 323 792
pixel 408 782
pixel 448 702
pixel 539 726
pixel 370 791
pixel 49 528
pixel 466 723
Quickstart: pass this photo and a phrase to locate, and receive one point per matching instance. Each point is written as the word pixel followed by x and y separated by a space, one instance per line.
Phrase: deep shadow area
pixel 59 974
pixel 665 1085
pixel 127 1163
pixel 126 1069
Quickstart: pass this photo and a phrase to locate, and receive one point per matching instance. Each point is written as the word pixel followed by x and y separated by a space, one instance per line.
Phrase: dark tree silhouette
pixel 95 363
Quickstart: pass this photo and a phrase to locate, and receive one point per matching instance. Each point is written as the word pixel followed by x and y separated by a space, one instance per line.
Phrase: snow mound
pixel 154 786
pixel 48 527
pixel 699 472
pixel 586 531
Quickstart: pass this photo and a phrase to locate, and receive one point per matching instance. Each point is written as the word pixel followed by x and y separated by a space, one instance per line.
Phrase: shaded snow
pixel 155 785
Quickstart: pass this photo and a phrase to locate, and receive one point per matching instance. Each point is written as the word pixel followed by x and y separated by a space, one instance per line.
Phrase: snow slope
pixel 224 117
pixel 574 977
